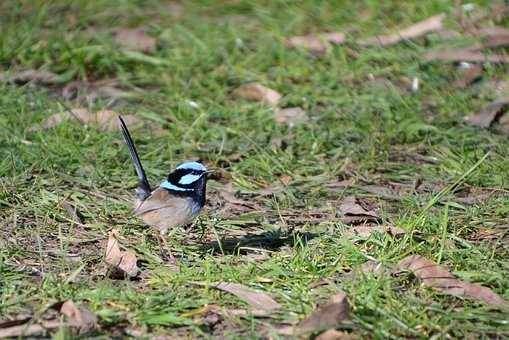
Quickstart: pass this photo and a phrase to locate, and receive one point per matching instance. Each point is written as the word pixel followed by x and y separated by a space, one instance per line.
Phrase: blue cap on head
pixel 193 166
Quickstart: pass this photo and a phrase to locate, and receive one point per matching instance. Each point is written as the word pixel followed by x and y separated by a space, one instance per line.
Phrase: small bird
pixel 177 200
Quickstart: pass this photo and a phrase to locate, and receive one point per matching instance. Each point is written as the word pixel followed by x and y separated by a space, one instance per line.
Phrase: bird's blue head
pixel 189 180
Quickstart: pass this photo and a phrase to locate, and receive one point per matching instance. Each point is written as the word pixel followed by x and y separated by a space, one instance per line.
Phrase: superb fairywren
pixel 177 200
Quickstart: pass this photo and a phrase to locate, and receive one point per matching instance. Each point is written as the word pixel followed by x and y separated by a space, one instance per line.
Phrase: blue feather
pixel 169 186
pixel 188 179
pixel 193 166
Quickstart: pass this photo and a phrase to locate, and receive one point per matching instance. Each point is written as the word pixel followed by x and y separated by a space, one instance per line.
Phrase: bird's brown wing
pixel 164 211
pixel 159 198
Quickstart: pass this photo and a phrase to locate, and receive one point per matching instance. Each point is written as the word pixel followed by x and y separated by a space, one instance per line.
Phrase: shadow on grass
pixel 272 240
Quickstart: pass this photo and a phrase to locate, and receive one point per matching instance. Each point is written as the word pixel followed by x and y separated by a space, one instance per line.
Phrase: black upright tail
pixel 143 190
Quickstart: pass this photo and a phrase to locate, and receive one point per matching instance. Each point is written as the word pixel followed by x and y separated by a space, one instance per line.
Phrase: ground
pixel 447 181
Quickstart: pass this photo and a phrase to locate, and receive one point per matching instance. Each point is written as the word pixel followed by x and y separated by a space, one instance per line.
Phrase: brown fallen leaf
pixel 353 212
pixel 124 261
pixel 291 116
pixel 80 317
pixel 333 334
pixel 72 212
pixel 489 113
pixel 325 317
pixel 448 34
pixel 317 43
pixel 39 77
pixel 382 191
pixel 229 205
pixel 26 329
pixel 338 185
pixel 366 231
pixel 258 300
pixel 135 39
pixel 105 120
pixel 273 189
pixel 493 37
pixel 92 91
pixel 467 55
pixel 494 13
pixel 504 123
pixel 259 313
pixel 489 234
pixel 434 23
pixel 439 278
pixel 257 92
pixel 468 75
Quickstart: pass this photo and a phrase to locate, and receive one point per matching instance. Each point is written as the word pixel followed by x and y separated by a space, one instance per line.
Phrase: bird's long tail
pixel 143 190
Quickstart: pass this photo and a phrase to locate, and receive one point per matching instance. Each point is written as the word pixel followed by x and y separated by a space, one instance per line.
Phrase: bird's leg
pixel 163 246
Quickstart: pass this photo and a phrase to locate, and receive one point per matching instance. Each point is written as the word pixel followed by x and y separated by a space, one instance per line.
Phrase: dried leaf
pixel 489 234
pixel 504 123
pixel 80 317
pixel 125 261
pixel 467 55
pixel 381 191
pixel 434 23
pixel 257 92
pixel 333 334
pixel 274 188
pixel 258 300
pixel 26 329
pixel 338 185
pixel 135 39
pixel 79 90
pixel 73 212
pixel 77 317
pixel 439 278
pixel 247 313
pixel 315 43
pixel 468 75
pixel 493 37
pixel 39 77
pixel 366 231
pixel 475 196
pixel 327 316
pixel 291 116
pixel 354 212
pixel 489 113
pixel 105 120
pixel 232 205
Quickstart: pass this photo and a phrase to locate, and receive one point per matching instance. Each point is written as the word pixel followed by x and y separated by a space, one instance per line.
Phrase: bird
pixel 177 201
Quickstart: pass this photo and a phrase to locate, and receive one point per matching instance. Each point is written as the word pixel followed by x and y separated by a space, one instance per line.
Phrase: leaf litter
pixel 353 212
pixel 434 23
pixel 78 318
pixel 328 316
pixel 468 74
pixel 259 93
pixel 365 231
pixel 487 115
pixel 92 91
pixel 38 77
pixel 291 116
pixel 464 55
pixel 315 43
pixel 123 262
pixel 258 300
pixel 106 120
pixel 135 39
pixel 439 278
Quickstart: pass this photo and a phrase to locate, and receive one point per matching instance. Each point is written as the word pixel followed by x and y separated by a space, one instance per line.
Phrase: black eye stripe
pixel 175 176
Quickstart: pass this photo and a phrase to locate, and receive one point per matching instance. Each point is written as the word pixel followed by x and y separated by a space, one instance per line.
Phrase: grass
pixel 364 125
